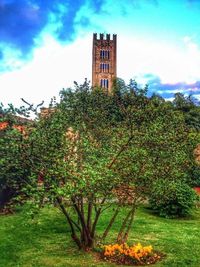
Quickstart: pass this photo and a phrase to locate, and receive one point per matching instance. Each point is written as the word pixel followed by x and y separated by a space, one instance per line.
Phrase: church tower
pixel 104 61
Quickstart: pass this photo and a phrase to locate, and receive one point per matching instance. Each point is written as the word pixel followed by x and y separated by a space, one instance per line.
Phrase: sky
pixel 46 45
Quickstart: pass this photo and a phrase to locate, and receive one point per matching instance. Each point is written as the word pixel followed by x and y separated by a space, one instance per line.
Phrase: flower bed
pixel 130 255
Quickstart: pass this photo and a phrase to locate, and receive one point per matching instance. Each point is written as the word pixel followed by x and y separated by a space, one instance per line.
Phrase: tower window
pixel 104 54
pixel 107 67
pixel 104 83
pixel 107 83
pixel 104 67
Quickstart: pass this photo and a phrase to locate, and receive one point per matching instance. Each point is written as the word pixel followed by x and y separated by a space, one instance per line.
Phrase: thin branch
pixel 73 233
pixel 119 237
pixel 124 239
pixel 122 149
pixel 82 220
pixel 31 105
pixel 107 207
pixel 98 212
pixel 89 213
pixel 112 220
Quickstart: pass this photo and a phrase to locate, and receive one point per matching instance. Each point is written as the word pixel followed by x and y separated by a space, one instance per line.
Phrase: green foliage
pixel 171 200
pixel 192 118
pixel 189 106
pixel 92 143
pixel 195 176
pixel 183 103
pixel 14 164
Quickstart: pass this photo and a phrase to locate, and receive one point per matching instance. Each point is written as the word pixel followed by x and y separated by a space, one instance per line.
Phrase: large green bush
pixel 174 200
pixel 14 159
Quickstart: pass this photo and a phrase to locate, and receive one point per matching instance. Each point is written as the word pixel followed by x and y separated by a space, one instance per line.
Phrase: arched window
pixel 104 54
pixel 107 67
pixel 104 67
pixel 104 83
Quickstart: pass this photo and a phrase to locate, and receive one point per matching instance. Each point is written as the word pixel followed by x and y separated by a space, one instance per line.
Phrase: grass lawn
pixel 46 241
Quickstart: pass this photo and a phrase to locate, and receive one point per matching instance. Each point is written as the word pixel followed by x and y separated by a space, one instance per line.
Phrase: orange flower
pixel 136 251
pixel 19 128
pixel 3 125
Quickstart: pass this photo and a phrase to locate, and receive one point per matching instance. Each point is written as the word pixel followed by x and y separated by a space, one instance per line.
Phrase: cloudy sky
pixel 45 45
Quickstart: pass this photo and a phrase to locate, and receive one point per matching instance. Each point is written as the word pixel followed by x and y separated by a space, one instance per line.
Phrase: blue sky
pixel 46 45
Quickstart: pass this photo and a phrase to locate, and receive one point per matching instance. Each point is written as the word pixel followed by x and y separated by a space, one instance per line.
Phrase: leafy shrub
pixel 172 199
pixel 195 176
pixel 13 165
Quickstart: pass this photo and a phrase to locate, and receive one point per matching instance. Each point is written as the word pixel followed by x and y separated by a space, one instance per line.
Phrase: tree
pixel 72 149
pixel 183 103
pixel 94 146
pixel 189 106
pixel 14 163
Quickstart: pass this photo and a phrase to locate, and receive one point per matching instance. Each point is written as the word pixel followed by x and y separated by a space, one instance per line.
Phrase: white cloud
pixel 180 89
pixel 171 62
pixel 169 99
pixel 53 67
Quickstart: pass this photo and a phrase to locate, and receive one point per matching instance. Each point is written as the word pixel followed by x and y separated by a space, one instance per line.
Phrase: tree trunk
pixel 110 223
pixel 73 232
pixel 119 237
pixel 124 239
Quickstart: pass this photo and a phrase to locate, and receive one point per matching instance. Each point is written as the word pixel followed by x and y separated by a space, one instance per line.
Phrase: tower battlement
pixel 103 36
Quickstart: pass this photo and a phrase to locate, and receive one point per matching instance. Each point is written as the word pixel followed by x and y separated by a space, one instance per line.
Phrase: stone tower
pixel 104 61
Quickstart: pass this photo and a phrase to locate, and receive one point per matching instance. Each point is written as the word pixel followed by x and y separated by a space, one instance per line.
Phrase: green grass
pixel 46 241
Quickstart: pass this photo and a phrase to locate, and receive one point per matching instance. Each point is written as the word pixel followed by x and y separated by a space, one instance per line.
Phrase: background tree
pixel 189 106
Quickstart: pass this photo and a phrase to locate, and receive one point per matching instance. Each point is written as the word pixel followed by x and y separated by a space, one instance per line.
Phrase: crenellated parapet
pixel 103 36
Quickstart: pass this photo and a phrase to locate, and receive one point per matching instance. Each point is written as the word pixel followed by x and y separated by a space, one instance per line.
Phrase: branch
pixel 123 148
pixel 74 236
pixel 98 212
pixel 31 105
pixel 112 220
